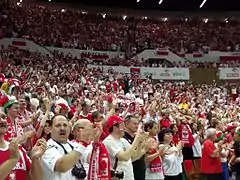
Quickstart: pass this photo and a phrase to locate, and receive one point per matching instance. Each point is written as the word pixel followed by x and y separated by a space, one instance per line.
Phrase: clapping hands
pixel 39 149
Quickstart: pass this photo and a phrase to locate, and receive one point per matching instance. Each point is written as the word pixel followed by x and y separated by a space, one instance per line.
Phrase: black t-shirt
pixel 139 166
pixel 236 146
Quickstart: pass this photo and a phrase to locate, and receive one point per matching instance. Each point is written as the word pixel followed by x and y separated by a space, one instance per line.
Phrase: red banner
pixel 19 43
pixel 229 58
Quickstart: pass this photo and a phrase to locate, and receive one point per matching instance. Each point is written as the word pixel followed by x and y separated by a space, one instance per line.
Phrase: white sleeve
pixel 126 144
pixel 112 147
pixel 86 153
pixel 50 158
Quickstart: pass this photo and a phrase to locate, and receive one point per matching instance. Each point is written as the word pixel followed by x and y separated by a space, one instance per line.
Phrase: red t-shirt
pixel 23 166
pixel 176 139
pixel 105 133
pixel 185 135
pixel 89 117
pixel 13 130
pixel 210 165
pixel 165 122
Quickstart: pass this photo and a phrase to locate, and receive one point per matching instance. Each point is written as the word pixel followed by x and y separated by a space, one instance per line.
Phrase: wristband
pixel 79 148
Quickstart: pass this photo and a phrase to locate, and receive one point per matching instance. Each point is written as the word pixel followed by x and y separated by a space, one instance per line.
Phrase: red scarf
pixel 185 135
pixel 99 166
pixel 155 165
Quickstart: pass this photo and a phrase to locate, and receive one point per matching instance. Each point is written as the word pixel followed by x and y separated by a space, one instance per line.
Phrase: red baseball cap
pixel 113 120
pixel 63 106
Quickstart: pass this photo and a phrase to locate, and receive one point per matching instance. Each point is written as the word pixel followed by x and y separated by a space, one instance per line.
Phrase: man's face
pixel 85 132
pixel 132 125
pixel 100 118
pixel 120 130
pixel 60 129
pixel 14 110
pixel 22 103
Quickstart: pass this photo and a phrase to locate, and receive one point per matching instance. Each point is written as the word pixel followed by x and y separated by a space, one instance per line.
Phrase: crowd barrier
pixel 195 75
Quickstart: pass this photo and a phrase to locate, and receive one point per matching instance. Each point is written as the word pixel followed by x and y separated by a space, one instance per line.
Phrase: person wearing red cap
pixel 62 109
pixel 120 150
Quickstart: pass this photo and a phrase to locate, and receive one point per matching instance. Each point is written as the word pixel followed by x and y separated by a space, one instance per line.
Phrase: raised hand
pixel 35 116
pixel 47 103
pixel 180 145
pixel 39 149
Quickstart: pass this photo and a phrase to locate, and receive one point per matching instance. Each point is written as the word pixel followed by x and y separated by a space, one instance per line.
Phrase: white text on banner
pixel 166 73
pixel 229 73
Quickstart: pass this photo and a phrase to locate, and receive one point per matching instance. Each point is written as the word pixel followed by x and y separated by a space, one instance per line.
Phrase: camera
pixel 116 174
pixel 78 171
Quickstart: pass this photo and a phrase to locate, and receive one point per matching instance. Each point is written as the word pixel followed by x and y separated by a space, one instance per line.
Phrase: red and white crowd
pixel 84 30
pixel 71 122
pixel 60 120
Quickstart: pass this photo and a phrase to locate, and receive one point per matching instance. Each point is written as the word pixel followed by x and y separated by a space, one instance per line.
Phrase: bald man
pixel 83 132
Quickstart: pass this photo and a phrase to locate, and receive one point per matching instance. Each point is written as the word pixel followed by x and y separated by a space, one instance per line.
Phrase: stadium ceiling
pixel 161 5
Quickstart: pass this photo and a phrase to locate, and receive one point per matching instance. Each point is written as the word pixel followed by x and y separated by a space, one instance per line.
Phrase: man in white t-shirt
pixel 61 154
pixel 120 149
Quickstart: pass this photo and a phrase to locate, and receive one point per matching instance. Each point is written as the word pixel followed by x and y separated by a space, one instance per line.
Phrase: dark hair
pixel 95 115
pixel 172 126
pixel 110 130
pixel 27 98
pixel 129 117
pixel 162 133
pixel 73 100
pixel 84 104
pixel 48 135
pixel 54 117
pixel 34 95
pixel 149 125
pixel 191 127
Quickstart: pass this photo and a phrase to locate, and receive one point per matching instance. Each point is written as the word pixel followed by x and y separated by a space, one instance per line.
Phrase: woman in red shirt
pixel 211 167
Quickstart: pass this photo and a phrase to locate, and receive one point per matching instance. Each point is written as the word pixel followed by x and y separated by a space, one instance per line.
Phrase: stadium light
pixel 104 15
pixel 49 0
pixel 160 2
pixel 205 20
pixel 201 5
pixel 138 1
pixel 165 19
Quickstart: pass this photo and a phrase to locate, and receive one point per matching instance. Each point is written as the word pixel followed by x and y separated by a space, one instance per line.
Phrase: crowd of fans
pixel 82 30
pixel 61 120
pixel 176 126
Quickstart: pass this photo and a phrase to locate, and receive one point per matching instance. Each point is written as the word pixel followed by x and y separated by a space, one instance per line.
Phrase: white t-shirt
pixel 197 147
pixel 114 146
pixel 53 153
